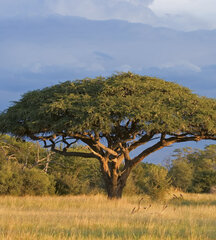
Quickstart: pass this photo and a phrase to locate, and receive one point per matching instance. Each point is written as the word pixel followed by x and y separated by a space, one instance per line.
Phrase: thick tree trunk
pixel 114 191
pixel 113 179
pixel 115 187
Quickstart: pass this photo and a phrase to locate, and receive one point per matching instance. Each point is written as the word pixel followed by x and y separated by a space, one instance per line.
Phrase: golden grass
pixel 96 217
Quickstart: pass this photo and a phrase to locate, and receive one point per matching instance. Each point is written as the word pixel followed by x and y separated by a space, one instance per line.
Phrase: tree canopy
pixel 112 116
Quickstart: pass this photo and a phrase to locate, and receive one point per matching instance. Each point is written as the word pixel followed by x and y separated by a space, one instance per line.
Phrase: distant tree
pixel 112 116
pixel 204 163
pixel 194 170
pixel 181 174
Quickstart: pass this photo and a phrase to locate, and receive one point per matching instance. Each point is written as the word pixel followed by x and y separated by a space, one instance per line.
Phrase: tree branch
pixel 74 154
pixel 144 139
pixel 109 150
pixel 95 153
pixel 167 142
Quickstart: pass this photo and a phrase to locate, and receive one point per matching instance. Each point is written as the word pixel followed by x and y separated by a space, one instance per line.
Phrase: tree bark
pixel 114 191
pixel 114 179
pixel 115 185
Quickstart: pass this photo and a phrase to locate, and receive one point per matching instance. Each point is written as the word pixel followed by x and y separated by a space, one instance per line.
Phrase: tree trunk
pixel 114 181
pixel 114 192
pixel 115 188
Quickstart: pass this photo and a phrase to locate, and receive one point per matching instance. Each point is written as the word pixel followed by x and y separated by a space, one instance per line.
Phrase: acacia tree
pixel 112 116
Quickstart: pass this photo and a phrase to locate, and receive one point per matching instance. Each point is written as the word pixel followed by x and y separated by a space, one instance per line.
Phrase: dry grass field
pixel 95 217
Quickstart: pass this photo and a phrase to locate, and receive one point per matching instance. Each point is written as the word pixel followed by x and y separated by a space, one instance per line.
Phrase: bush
pixel 152 180
pixel 74 175
pixel 16 181
pixel 36 182
pixel 11 179
pixel 203 181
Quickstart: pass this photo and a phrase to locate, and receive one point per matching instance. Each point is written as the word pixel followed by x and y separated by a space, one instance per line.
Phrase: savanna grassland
pixel 96 217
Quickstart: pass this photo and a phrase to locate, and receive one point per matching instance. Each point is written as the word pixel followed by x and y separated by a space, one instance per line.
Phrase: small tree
pixel 112 116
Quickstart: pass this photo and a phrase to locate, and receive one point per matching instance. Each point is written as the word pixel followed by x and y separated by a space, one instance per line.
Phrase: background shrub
pixel 151 179
pixel 36 182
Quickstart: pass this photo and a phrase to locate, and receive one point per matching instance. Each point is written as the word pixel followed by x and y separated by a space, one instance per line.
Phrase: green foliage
pixel 36 182
pixel 17 181
pixel 17 177
pixel 203 181
pixel 181 171
pixel 26 153
pixel 194 170
pixel 21 175
pixel 98 104
pixel 150 179
pixel 75 175
pixel 191 170
pixel 11 179
pixel 68 175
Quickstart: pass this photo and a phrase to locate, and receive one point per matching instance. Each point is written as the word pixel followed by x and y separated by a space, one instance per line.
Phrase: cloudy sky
pixel 43 42
pixel 176 14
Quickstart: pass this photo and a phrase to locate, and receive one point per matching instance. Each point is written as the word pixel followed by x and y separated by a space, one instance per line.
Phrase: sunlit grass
pixel 95 217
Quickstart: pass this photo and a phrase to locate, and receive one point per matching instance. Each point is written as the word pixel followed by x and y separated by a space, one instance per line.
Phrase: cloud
pixel 129 10
pixel 198 8
pixel 182 15
pixel 41 52
pixel 186 14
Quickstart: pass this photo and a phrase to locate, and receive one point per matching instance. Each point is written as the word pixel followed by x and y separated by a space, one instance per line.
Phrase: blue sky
pixel 43 42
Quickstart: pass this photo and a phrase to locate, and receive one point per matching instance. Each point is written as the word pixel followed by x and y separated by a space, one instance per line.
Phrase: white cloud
pixel 176 14
pixel 183 15
pixel 129 10
pixel 187 14
pixel 197 8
